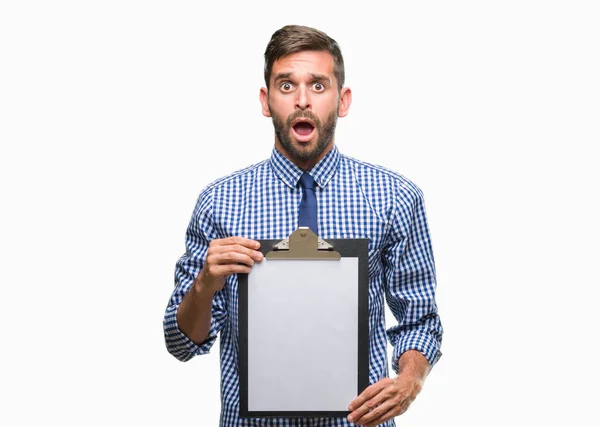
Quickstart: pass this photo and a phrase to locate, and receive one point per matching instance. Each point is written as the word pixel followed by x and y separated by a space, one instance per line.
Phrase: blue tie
pixel 307 212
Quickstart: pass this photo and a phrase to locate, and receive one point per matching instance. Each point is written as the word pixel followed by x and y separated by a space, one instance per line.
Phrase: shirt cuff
pixel 178 343
pixel 426 344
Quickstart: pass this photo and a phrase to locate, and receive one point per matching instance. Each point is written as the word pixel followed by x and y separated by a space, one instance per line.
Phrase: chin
pixel 305 146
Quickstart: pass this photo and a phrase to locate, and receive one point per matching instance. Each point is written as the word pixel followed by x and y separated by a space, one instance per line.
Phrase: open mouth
pixel 303 130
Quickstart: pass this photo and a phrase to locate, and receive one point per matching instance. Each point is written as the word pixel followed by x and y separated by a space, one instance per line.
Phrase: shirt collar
pixel 290 174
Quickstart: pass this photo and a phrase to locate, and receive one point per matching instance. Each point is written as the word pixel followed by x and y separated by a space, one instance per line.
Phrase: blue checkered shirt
pixel 355 200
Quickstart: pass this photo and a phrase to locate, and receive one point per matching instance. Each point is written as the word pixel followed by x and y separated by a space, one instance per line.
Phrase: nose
pixel 303 100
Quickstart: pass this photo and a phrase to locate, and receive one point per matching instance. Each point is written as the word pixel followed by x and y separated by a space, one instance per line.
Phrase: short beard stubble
pixel 325 130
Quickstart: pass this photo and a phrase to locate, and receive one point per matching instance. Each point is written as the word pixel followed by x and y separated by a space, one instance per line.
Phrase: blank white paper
pixel 302 335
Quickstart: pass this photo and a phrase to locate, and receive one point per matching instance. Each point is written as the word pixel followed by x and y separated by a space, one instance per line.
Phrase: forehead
pixel 308 62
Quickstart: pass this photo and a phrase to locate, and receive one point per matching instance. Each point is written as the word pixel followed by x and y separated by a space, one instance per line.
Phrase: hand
pixel 385 399
pixel 225 257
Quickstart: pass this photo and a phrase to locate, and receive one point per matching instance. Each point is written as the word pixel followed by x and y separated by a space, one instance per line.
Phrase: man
pixel 304 95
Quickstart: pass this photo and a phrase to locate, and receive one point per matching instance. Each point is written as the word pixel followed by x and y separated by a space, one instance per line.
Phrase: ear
pixel 264 101
pixel 345 101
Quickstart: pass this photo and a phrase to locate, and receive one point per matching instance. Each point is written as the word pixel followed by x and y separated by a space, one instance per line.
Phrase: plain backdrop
pixel 114 115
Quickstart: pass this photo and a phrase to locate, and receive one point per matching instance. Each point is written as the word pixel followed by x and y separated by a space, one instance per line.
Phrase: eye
pixel 319 87
pixel 286 87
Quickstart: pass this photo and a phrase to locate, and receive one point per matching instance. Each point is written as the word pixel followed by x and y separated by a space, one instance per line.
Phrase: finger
pixel 230 258
pixel 229 269
pixel 235 248
pixel 361 405
pixel 396 410
pixel 237 240
pixel 368 393
pixel 370 410
pixel 376 413
pixel 383 418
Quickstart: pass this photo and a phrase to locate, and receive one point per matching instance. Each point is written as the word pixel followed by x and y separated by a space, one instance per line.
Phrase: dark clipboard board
pixel 304 244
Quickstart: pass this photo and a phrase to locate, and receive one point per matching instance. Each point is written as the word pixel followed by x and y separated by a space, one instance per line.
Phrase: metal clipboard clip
pixel 303 244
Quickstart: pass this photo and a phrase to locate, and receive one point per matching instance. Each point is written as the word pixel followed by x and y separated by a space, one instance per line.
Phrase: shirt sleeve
pixel 411 280
pixel 200 232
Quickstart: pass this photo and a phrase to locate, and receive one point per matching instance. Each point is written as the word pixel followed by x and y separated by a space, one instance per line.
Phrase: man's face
pixel 304 102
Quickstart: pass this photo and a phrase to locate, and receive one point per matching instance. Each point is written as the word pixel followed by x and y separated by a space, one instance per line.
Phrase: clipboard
pixel 304 327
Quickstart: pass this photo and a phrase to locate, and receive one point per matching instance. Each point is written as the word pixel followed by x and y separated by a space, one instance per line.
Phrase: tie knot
pixel 307 181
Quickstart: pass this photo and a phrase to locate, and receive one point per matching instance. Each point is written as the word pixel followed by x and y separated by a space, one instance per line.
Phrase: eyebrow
pixel 282 76
pixel 320 77
pixel 315 77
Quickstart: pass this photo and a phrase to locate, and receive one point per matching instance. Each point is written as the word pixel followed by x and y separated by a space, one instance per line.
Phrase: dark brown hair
pixel 296 38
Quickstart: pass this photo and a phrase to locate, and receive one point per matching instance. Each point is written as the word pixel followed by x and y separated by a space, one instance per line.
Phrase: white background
pixel 115 114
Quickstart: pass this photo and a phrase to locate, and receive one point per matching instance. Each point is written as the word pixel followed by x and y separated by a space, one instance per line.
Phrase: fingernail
pixel 350 418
